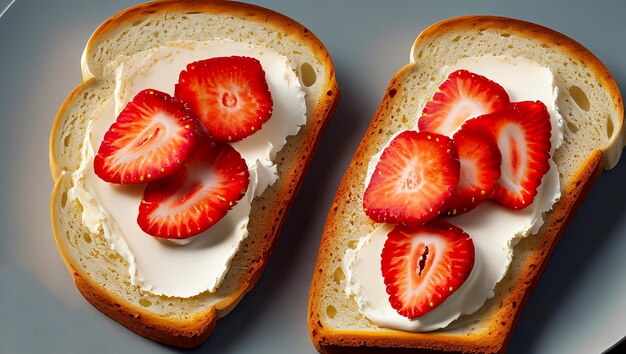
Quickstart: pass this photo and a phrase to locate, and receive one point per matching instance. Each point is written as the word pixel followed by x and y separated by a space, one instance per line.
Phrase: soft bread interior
pixel 588 100
pixel 145 28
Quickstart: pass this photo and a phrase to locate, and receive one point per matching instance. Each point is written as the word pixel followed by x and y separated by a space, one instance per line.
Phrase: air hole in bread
pixel 63 199
pixel 87 237
pixel 505 35
pixel 456 39
pixel 307 74
pixel 609 127
pixel 145 302
pixel 580 98
pixel 338 275
pixel 331 311
pixel 572 127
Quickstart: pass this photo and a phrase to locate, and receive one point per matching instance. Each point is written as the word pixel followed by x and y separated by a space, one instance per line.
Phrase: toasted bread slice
pixel 100 273
pixel 591 104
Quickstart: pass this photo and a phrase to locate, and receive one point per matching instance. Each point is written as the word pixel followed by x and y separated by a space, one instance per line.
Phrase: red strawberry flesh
pixel 522 132
pixel 414 177
pixel 196 196
pixel 151 138
pixel 462 96
pixel 229 94
pixel 422 265
pixel 480 168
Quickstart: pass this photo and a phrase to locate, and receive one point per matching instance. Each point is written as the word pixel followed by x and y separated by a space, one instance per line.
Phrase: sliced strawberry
pixel 196 196
pixel 415 176
pixel 480 169
pixel 462 96
pixel 522 132
pixel 150 139
pixel 229 94
pixel 423 265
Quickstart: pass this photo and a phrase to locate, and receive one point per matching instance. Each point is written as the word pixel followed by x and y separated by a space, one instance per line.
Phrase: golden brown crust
pixel 178 333
pixel 232 8
pixel 192 332
pixel 508 310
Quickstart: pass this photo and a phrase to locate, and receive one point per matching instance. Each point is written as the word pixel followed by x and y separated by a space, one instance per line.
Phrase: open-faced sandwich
pixel 178 157
pixel 481 151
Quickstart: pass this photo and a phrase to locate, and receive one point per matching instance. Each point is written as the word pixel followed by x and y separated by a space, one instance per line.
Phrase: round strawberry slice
pixel 150 139
pixel 229 94
pixel 480 168
pixel 423 265
pixel 417 173
pixel 196 196
pixel 522 132
pixel 462 96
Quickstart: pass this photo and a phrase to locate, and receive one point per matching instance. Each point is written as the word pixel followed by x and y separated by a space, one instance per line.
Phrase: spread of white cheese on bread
pixel 158 266
pixel 494 229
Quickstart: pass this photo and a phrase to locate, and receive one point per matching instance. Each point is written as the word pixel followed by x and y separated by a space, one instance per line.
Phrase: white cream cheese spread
pixel 188 268
pixel 494 229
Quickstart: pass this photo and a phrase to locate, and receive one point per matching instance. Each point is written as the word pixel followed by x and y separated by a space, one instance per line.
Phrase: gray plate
pixel 578 305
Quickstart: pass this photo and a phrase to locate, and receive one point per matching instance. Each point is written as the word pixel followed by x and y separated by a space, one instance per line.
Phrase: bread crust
pixel 496 338
pixel 236 9
pixel 192 332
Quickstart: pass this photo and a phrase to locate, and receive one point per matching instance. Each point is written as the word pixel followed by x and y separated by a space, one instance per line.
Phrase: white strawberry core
pixel 229 100
pixel 193 192
pixel 411 179
pixel 512 143
pixel 465 108
pixel 162 131
pixel 469 174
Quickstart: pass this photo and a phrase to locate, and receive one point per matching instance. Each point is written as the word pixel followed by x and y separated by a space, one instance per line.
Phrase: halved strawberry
pixel 196 196
pixel 423 265
pixel 229 94
pixel 522 132
pixel 462 96
pixel 415 176
pixel 480 169
pixel 150 139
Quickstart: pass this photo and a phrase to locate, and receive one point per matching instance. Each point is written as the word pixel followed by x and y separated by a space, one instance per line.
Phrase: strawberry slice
pixel 229 94
pixel 415 176
pixel 150 139
pixel 196 196
pixel 480 168
pixel 522 132
pixel 462 96
pixel 423 265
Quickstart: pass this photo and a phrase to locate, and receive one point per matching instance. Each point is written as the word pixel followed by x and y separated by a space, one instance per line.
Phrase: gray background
pixel 578 306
